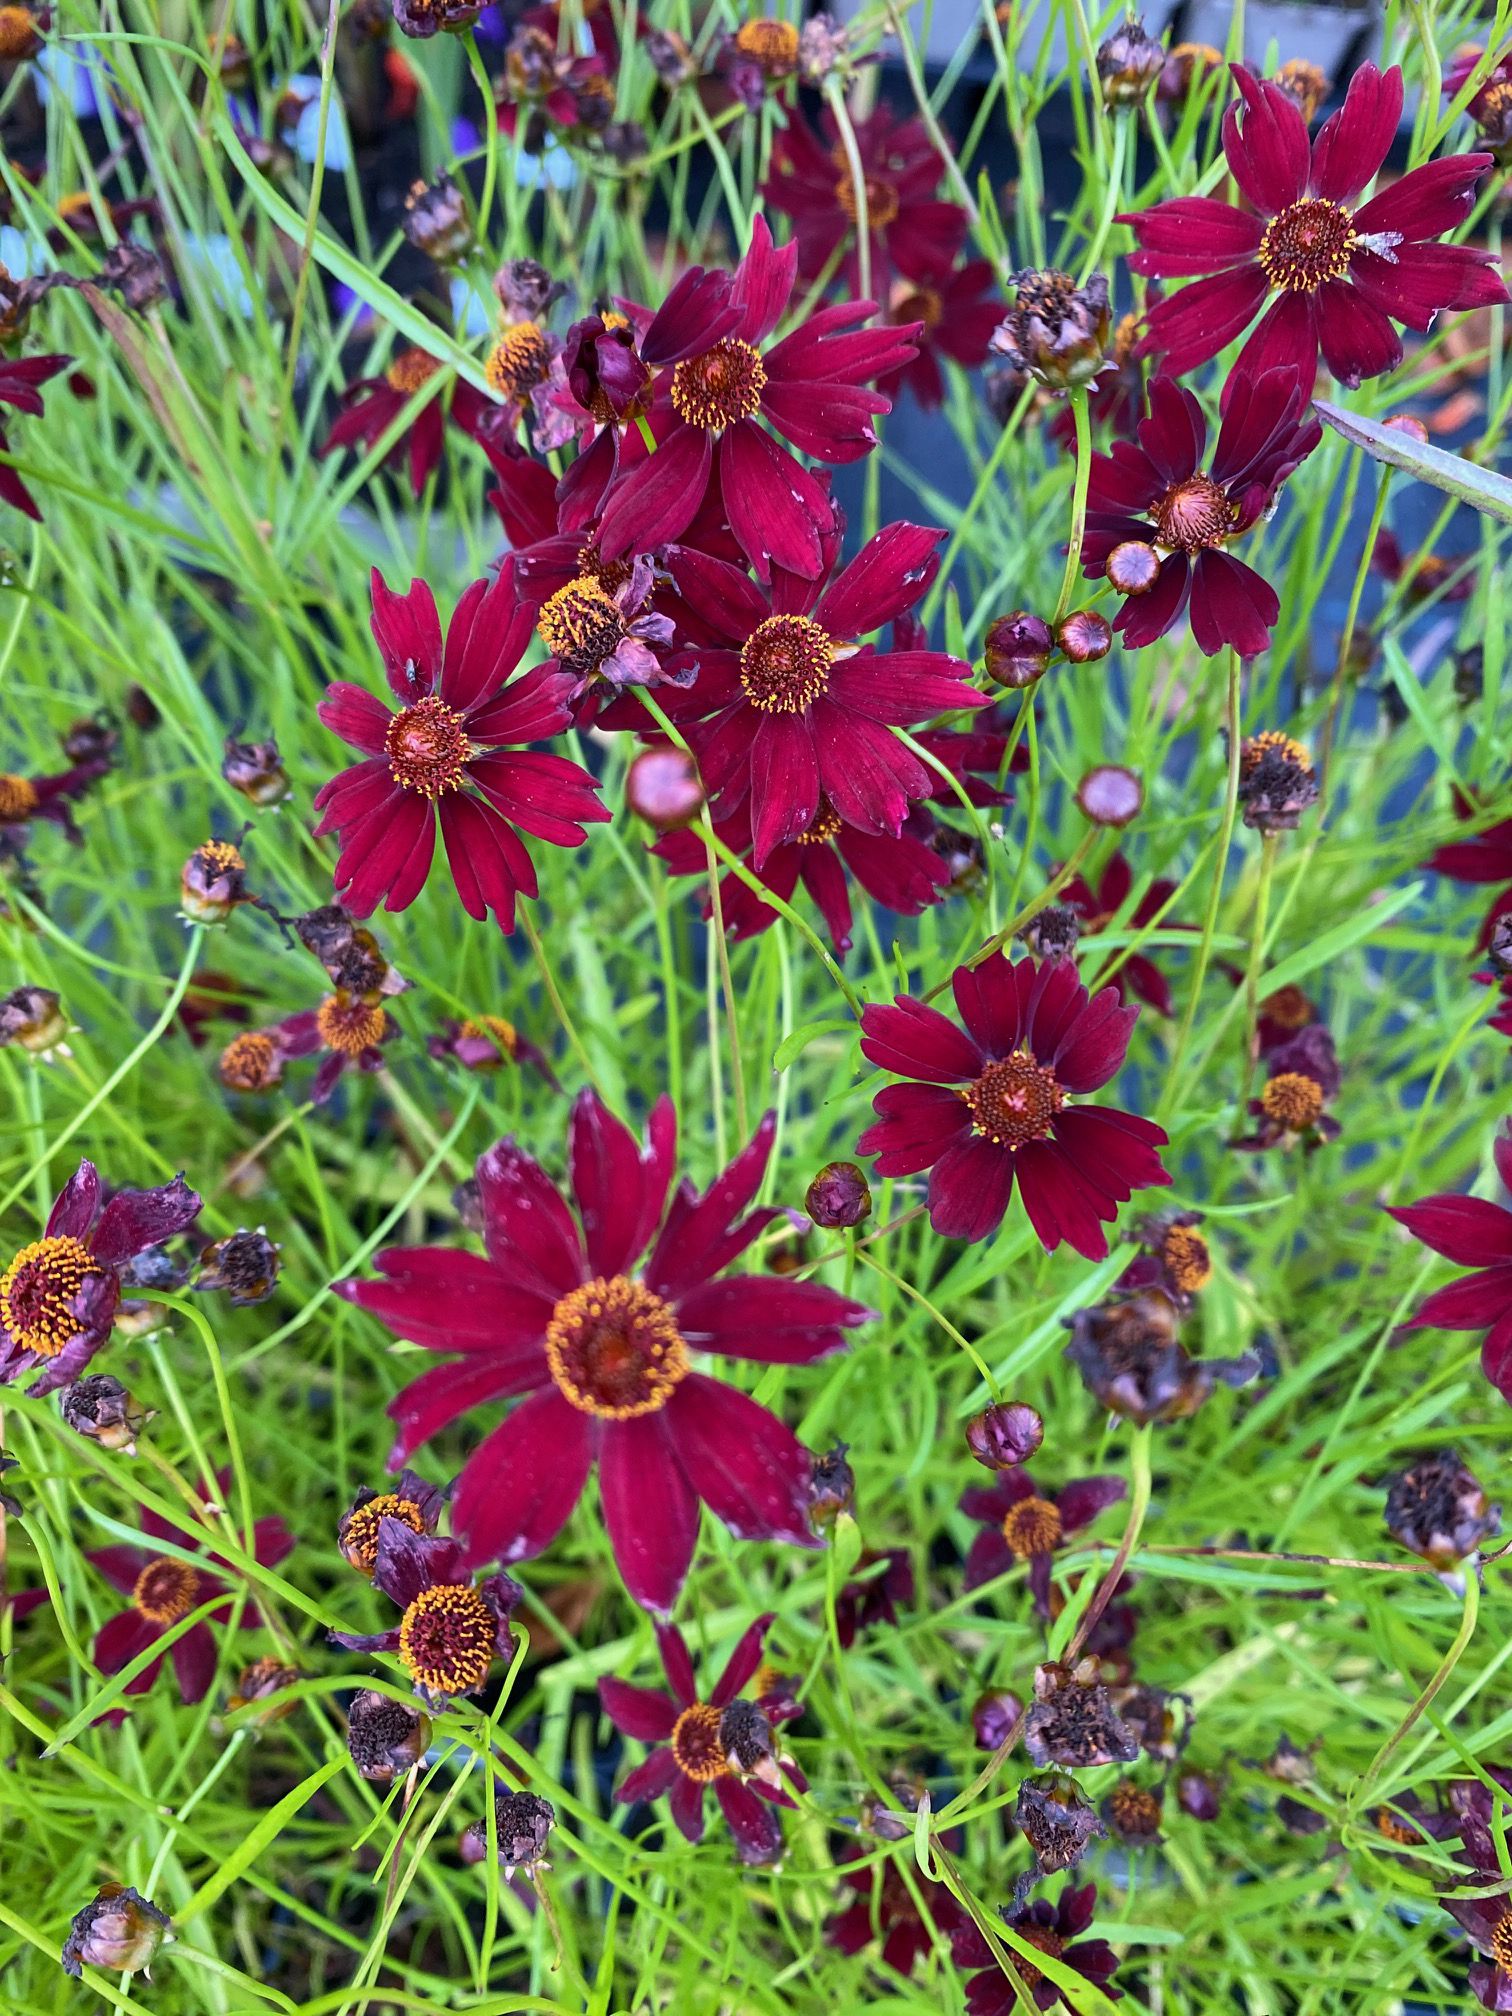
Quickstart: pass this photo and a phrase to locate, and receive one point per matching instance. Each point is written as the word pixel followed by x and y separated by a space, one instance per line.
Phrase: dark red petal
pixel 697 314
pixel 1496 1356
pixel 1231 606
pixel 743 1463
pixel 784 781
pixel 78 1202
pixel 1058 1205
pixel 1480 1299
pixel 1356 339
pixel 1352 147
pixel 1204 318
pixel 1427 201
pixel 652 1779
pixel 611 1177
pixel 194 1661
pixel 969 1189
pixel 677 1664
pixel 377 854
pixel 1192 234
pixel 763 283
pixel 1471 1231
pixel 917 1041
pixel 119 1565
pixel 1145 618
pixel 742 1663
pixel 1285 338
pixel 693 1240
pixel 135 1219
pixel 530 1234
pixel 519 1486
pixel 436 1399
pixel 916 1124
pixel 356 715
pixel 650 1511
pixel 752 1822
pixel 1081 1501
pixel 120 1639
pixel 867 774
pixel 1112 1151
pixel 687 1804
pixel 1417 281
pixel 656 502
pixel 767 1319
pixel 988 1557
pixel 887 576
pixel 776 509
pixel 448 1300
pixel 490 864
pixel 902 687
pixel 407 630
pixel 1268 154
pixel 529 708
pixel 485 640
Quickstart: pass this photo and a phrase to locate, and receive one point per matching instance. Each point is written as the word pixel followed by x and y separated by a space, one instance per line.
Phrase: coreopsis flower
pixel 213 883
pixel 1293 1103
pixel 1487 1918
pixel 1175 1258
pixel 991 1103
pixel 452 756
pixel 910 228
pixel 452 1629
pixel 760 53
pixel 370 406
pixel 558 1312
pixel 1155 497
pixel 120 1931
pixel 885 1580
pixel 23 799
pixel 788 715
pixel 488 1043
pixel 1486 857
pixel 1277 782
pixel 522 1826
pixel 60 1294
pixel 1132 1360
pixel 606 632
pixel 1438 1509
pixel 1490 104
pixel 1331 274
pixel 1021 1523
pixel 884 1906
pixel 1473 1232
pixel 19 379
pixel 955 306
pixel 347 1031
pixel 690 1748
pixel 720 379
pixel 165 1587
pixel 412 1501
pixel 1053 1929
pixel 1095 910
pixel 1056 332
pixel 385 1737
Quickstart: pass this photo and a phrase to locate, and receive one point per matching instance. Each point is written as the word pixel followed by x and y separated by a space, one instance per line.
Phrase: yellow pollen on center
pixel 881 199
pixel 1293 1100
pixel 581 624
pixel 785 664
pixel 1015 1101
pixel 493 1029
pixel 696 1745
pixel 1271 742
pixel 38 1292
pixel 18 795
pixel 614 1349
pixel 1033 1526
pixel 720 386
pixel 825 825
pixel 249 1063
pixel 359 1540
pixel 519 361
pixel 771 43
pixel 166 1590
pixel 1044 1940
pixel 448 1639
pixel 1306 245
pixel 1501 1942
pixel 410 370
pixel 350 1024
pixel 427 747
pixel 1187 1259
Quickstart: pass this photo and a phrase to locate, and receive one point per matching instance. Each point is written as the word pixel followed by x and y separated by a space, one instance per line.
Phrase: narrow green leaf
pixel 796 1041
pixel 1481 488
pixel 1353 931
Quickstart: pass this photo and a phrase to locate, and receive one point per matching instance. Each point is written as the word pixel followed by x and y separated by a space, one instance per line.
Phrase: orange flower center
pixel 772 44
pixel 1187 1259
pixel 1293 1100
pixel 1193 515
pixel 881 198
pixel 1014 1101
pixel 1044 1939
pixel 18 34
pixel 609 574
pixel 1288 1008
pixel 448 1639
pixel 249 1063
pixel 785 664
pixel 696 1745
pixel 493 1029
pixel 18 795
pixel 219 857
pixel 410 370
pixel 614 1349
pixel 427 747
pixel 1501 1942
pixel 166 1590
pixel 1306 245
pixel 1271 742
pixel 359 1540
pixel 39 1292
pixel 519 361
pixel 581 624
pixel 720 386
pixel 1033 1526
pixel 916 304
pixel 1135 1810
pixel 349 1024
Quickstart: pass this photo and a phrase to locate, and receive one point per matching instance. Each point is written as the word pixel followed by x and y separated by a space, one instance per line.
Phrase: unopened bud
pixel 1133 568
pixel 994 1717
pixel 839 1196
pixel 33 1019
pixel 1085 636
pixel 1017 649
pixel 1129 63
pixel 259 1682
pixel 1110 795
pixel 256 770
pixel 664 788
pixel 1006 1435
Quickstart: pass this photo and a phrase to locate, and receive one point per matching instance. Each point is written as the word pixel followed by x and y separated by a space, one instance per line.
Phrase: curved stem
pixel 1252 965
pixel 834 90
pixel 1445 1668
pixel 1139 1504
pixel 491 156
pixel 1215 895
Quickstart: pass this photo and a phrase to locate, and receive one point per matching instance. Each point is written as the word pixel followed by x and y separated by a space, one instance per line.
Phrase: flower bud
pixel 1188 65
pixel 993 1717
pixel 100 1408
pixel 1132 1813
pixel 256 770
pixel 120 1931
pixel 436 221
pixel 213 883
pixel 33 1018
pixel 1109 795
pixel 1056 331
pixel 385 1737
pixel 1198 1796
pixel 1017 649
pixel 664 788
pixel 1006 1435
pixel 839 1196
pixel 1133 568
pixel 1085 636
pixel 92 739
pixel 1499 946
pixel 1128 63
pixel 245 1266
pixel 832 1486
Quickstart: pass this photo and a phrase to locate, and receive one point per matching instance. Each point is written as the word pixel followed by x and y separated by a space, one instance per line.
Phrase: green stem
pixel 1346 638
pixel 1215 894
pixel 1083 424
pixel 491 158
pixel 834 90
pixel 1424 1701
pixel 1252 965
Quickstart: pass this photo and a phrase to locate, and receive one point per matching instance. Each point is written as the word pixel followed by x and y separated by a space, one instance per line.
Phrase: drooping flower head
pixel 1021 1523
pixel 59 1294
pixel 1053 1929
pixel 452 756
pixel 698 1743
pixel 991 1103
pixel 561 1312
pixel 1154 501
pixel 1330 273
pixel 413 1502
pixel 452 1629
pixel 1473 1232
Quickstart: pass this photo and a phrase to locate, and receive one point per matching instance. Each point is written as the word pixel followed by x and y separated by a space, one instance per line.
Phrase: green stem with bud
pixel 1083 424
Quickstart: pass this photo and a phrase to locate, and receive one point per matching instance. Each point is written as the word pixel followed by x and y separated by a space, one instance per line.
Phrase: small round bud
pixel 838 1196
pixel 1006 1435
pixel 1017 649
pixel 245 1266
pixel 1085 636
pixel 1110 795
pixel 664 788
pixel 994 1717
pixel 1133 568
pixel 1129 63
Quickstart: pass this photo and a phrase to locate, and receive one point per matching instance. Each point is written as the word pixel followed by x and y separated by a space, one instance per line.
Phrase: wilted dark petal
pixel 650 1510
pixel 753 1823
pixel 78 1201
pixel 969 1189
pixel 643 1712
pixel 1471 1231
pixel 134 1219
pixel 518 1488
pixel 744 1464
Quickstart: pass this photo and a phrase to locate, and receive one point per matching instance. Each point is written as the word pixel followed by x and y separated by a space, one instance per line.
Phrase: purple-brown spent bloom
pixel 348 951
pixel 488 1043
pixel 1056 332
pixel 663 787
pixel 256 770
pixel 522 1825
pixel 832 1487
pixel 244 1267
pixel 884 1581
pixel 33 1019
pixel 526 290
pixel 424 18
pixel 59 1294
pixel 1072 1721
pixel 452 1630
pixel 1277 783
pixel 1129 1353
pixel 100 1408
pixel 1292 1107
pixel 995 1718
pixel 412 1501
pixel 838 1197
pixel 1176 1258
pixel 1052 1929
pixel 386 1737
pixel 1133 1813
pixel 1199 1795
pixel 436 220
pixel 1187 66
pixel 1021 1524
pixel 1305 84
pixel 213 883
pixel 1005 1435
pixel 1151 1713
pixel 1017 649
pixel 1439 1511
pixel 1477 1233
pixel 605 631
pixel 688 1754
pixel 120 1931
pixel 1129 64
pixel 1052 933
pixel 1056 1821
pixel 605 372
pixel 261 1685
pixel 1110 795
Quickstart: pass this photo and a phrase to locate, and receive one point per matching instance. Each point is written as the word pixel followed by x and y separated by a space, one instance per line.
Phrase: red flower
pixel 1472 1232
pixel 694 1744
pixel 59 1295
pixel 19 379
pixel 371 405
pixel 787 714
pixel 1157 495
pixel 955 310
pixel 905 872
pixel 885 1904
pixel 163 1588
pixel 718 382
pixel 811 182
pixel 1098 907
pixel 1485 857
pixel 1336 277
pixel 1022 1524
pixel 990 1102
pixel 451 1631
pixel 885 1581
pixel 23 799
pixel 1054 1929
pixel 554 1312
pixel 451 754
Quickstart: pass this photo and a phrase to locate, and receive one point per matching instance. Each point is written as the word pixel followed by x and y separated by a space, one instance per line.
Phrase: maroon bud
pixel 664 789
pixel 1198 1796
pixel 141 709
pixel 1017 650
pixel 838 1196
pixel 993 1717
pixel 1133 568
pixel 1006 1435
pixel 1110 795
pixel 1085 636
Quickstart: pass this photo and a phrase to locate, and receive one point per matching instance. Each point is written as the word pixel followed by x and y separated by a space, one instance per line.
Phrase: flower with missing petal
pixel 452 756
pixel 991 1103
pixel 691 1749
pixel 59 1294
pixel 565 1310
pixel 606 631
pixel 1022 1524
pixel 1331 274
pixel 1053 1929
pixel 370 406
pixel 452 1629
pixel 1155 495
pixel 1096 910
pixel 1473 1232
pixel 1293 1103
pixel 412 1501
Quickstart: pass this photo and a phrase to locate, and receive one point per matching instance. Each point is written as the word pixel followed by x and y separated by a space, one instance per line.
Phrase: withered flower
pixel 214 883
pixel 245 1266
pixel 1150 1712
pixel 1293 1102
pixel 136 273
pixel 120 1931
pixel 1056 332
pixel 525 289
pixel 386 1737
pixel 348 951
pixel 1073 1722
pixel 1277 783
pixel 1052 933
pixel 1133 1813
pixel 994 1717
pixel 256 770
pixel 1131 1359
pixel 1199 1795
pixel 33 1019
pixel 1305 84
pixel 260 1681
pixel 412 1501
pixel 1006 1435
pixel 100 1408
pixel 1056 1821
pixel 1176 1258
pixel 522 1823
pixel 436 220
pixel 1439 1511
pixel 1129 63
pixel 832 1486
pixel 424 18
pixel 669 56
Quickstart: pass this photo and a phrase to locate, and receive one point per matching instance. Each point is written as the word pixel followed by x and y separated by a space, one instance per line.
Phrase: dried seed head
pixel 1129 63
pixel 436 221
pixel 244 1266
pixel 1276 781
pixel 1439 1511
pixel 1056 1821
pixel 385 1737
pixel 100 1408
pixel 256 770
pixel 1056 332
pixel 33 1018
pixel 1073 1721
